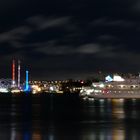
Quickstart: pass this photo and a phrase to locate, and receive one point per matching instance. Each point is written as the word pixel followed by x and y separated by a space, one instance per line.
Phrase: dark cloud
pixel 136 6
pixel 15 34
pixel 42 22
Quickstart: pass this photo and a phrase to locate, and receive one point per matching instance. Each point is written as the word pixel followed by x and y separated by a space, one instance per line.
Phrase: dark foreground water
pixel 57 117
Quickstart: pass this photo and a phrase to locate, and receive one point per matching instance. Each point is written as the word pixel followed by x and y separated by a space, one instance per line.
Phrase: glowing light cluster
pixel 15 91
pixel 101 85
pixel 4 90
pixel 36 89
pixel 89 91
pixel 118 78
pixel 108 78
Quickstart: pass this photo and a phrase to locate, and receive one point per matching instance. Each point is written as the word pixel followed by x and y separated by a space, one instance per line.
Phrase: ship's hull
pixel 120 95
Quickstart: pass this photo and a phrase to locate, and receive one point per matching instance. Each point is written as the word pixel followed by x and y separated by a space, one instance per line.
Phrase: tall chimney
pixel 13 73
pixel 18 73
pixel 27 81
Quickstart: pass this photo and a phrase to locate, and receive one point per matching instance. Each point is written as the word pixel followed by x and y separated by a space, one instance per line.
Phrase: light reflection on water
pixel 118 108
pixel 36 119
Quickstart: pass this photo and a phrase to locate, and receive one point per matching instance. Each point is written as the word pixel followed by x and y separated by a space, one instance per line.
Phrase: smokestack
pixel 27 81
pixel 13 73
pixel 18 73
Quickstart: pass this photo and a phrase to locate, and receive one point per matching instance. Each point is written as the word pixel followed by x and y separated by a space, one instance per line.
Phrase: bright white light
pixel 81 90
pixel 13 82
pixel 94 85
pixel 97 91
pixel 34 92
pixel 101 85
pixel 89 91
pixel 121 100
pixel 3 90
pixel 51 88
pixel 117 78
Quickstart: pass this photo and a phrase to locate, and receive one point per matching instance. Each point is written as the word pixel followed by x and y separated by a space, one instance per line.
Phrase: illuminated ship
pixel 115 87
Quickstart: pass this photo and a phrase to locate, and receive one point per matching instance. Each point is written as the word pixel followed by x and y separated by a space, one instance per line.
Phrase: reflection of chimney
pixel 18 73
pixel 13 73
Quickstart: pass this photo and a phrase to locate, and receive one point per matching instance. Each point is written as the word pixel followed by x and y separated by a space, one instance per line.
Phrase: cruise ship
pixel 115 87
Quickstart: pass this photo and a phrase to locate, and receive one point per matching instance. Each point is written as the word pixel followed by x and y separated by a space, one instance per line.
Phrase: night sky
pixel 56 39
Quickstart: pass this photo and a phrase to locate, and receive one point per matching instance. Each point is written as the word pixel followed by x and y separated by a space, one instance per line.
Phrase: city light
pixel 4 90
pixel 35 89
pixel 15 91
pixel 117 78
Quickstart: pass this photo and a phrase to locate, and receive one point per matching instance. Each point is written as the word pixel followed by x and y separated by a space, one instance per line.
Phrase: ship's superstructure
pixel 119 88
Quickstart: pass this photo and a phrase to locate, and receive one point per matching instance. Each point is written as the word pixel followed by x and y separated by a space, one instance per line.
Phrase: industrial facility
pixel 12 85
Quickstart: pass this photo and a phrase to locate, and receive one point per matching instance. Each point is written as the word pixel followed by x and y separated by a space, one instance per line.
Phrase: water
pixel 68 118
